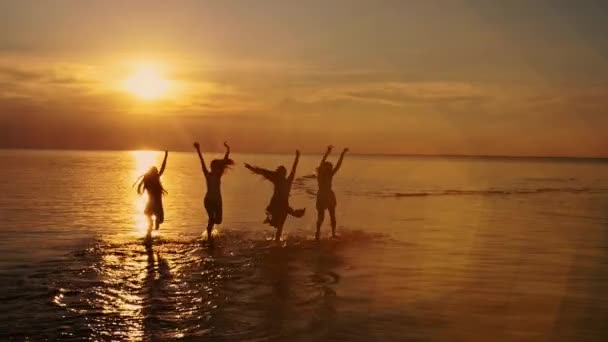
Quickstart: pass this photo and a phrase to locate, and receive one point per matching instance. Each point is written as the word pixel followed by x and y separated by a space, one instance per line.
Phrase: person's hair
pixel 281 169
pixel 220 165
pixel 148 177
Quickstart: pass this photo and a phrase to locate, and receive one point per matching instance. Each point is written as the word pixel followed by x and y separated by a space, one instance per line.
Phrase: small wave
pixel 550 179
pixel 493 192
pixel 310 192
pixel 411 194
pixel 309 189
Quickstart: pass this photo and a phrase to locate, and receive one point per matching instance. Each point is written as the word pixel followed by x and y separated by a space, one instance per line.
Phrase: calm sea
pixel 437 249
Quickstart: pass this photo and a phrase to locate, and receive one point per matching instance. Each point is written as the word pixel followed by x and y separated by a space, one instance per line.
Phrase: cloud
pixel 402 93
pixel 58 74
pixel 282 103
pixel 17 74
pixel 385 97
pixel 46 83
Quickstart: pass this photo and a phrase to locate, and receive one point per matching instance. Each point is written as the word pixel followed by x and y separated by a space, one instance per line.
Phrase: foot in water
pixel 209 242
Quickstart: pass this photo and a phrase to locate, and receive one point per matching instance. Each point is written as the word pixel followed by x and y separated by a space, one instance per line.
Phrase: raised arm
pixel 200 156
pixel 162 167
pixel 227 155
pixel 260 171
pixel 337 167
pixel 294 167
pixel 329 148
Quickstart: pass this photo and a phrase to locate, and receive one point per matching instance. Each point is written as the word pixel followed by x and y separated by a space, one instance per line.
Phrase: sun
pixel 147 82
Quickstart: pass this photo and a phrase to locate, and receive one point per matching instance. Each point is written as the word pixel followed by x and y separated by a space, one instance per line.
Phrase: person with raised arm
pixel 150 183
pixel 326 198
pixel 213 177
pixel 278 208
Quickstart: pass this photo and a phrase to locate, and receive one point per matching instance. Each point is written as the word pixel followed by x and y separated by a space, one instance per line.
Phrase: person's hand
pixel 226 144
pixel 166 151
pixel 297 152
pixel 197 145
pixel 345 150
pixel 248 166
pixel 330 147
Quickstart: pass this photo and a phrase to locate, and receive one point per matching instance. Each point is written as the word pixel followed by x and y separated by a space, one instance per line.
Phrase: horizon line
pixel 368 154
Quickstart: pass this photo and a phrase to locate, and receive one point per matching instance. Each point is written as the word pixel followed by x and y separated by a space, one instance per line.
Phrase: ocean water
pixel 430 249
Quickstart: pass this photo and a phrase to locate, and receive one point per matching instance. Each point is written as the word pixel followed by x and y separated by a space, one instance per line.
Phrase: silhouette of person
pixel 150 182
pixel 278 208
pixel 326 198
pixel 213 198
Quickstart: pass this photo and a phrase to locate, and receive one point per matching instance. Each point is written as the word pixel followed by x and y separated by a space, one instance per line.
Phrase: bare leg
pixel 332 216
pixel 209 230
pixel 277 236
pixel 148 238
pixel 320 218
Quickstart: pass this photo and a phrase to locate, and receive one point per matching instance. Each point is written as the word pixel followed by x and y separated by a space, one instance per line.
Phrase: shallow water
pixel 429 249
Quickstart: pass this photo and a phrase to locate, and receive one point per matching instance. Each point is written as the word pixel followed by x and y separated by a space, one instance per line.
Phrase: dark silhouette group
pixel 277 210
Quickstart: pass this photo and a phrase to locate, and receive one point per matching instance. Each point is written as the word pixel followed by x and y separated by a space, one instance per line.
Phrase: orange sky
pixel 412 77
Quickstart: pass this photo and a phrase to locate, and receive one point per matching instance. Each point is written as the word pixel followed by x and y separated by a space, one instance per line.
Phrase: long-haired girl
pixel 150 182
pixel 326 198
pixel 213 198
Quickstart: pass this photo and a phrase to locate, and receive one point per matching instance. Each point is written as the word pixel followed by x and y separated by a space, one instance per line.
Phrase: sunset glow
pixel 471 78
pixel 304 170
pixel 146 82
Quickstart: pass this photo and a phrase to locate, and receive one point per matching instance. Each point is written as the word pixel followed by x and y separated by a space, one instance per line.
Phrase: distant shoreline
pixel 405 155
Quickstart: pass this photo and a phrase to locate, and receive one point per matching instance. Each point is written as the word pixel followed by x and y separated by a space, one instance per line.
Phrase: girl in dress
pixel 213 198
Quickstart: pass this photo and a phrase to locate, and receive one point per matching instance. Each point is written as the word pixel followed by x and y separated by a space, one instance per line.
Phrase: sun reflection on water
pixel 118 298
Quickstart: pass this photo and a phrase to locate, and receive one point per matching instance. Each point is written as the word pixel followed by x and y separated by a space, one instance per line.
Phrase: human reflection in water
pixel 278 208
pixel 326 198
pixel 279 306
pixel 155 295
pixel 150 182
pixel 324 262
pixel 213 198
pixel 302 297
